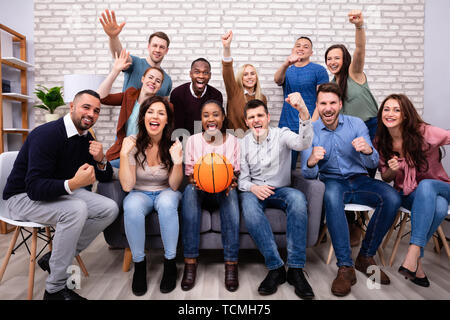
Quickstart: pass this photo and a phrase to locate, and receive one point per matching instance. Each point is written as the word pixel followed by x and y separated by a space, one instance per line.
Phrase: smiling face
pixel 157 49
pixel 155 119
pixel 392 115
pixel 249 78
pixel 329 105
pixel 212 118
pixel 303 48
pixel 258 120
pixel 84 111
pixel 200 74
pixel 335 60
pixel 151 81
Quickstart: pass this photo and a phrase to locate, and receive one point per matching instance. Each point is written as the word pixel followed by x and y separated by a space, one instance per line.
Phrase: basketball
pixel 213 173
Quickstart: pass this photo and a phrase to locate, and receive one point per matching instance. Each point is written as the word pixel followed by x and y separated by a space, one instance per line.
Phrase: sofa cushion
pixel 276 217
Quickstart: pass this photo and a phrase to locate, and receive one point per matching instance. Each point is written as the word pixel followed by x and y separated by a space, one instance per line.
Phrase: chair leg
pixel 127 257
pixel 389 234
pixel 49 235
pixel 444 241
pixel 9 252
pixel 437 247
pixel 397 240
pixel 322 234
pixel 32 264
pixel 82 266
pixel 330 254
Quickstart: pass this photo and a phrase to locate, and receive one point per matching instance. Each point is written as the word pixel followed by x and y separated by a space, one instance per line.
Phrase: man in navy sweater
pixel 46 185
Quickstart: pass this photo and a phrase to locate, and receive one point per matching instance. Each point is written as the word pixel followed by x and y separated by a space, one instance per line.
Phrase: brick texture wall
pixel 69 39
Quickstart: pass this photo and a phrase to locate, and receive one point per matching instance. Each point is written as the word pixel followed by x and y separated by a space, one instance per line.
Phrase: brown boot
pixel 231 277
pixel 342 285
pixel 188 281
pixel 355 234
pixel 363 262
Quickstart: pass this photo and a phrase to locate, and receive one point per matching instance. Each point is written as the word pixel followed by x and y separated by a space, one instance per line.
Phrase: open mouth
pixel 154 125
pixel 390 120
pixel 86 121
pixel 333 67
pixel 211 126
pixel 200 84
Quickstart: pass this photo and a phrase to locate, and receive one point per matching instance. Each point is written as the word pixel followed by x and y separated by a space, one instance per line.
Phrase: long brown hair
pixel 343 73
pixel 413 145
pixel 143 140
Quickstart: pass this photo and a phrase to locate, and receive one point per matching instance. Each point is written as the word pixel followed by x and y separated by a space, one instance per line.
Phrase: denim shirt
pixel 341 160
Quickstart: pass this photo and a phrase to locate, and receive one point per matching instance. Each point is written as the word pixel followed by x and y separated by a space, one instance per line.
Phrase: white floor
pixel 107 281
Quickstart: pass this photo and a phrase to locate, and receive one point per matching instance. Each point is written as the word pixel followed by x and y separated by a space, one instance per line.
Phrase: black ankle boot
pixel 169 278
pixel 139 285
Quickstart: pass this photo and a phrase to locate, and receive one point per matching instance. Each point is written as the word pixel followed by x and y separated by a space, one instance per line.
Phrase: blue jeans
pixel 115 163
pixel 137 205
pixel 293 202
pixel 363 190
pixel 192 218
pixel 429 207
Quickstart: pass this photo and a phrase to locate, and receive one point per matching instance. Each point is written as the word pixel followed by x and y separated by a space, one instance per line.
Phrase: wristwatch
pixel 103 161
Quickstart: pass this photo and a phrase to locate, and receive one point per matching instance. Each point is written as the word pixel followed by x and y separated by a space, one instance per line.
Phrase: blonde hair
pixel 240 74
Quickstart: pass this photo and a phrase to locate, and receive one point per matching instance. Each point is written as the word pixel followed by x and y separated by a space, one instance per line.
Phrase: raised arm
pixel 226 43
pixel 127 171
pixel 112 29
pixel 120 63
pixel 281 72
pixel 356 69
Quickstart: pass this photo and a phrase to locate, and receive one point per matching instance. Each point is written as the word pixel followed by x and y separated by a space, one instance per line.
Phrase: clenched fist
pixel 96 150
pixel 355 17
pixel 317 154
pixel 176 152
pixel 361 145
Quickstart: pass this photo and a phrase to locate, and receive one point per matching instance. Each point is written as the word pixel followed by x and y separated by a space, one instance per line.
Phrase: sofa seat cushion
pixel 276 217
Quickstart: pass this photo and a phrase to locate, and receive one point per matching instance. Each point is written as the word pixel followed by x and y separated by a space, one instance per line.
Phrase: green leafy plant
pixel 51 98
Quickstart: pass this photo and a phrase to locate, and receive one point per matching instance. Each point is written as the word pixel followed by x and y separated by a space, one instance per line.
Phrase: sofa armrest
pixel 112 190
pixel 314 190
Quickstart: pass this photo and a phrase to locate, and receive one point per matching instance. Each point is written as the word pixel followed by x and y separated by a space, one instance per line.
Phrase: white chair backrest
pixel 6 164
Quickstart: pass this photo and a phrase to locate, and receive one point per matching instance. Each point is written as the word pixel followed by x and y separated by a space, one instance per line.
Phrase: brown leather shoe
pixel 188 281
pixel 363 262
pixel 231 277
pixel 342 285
pixel 355 234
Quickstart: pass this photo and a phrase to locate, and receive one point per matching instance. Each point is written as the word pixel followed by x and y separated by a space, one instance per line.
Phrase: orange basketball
pixel 213 173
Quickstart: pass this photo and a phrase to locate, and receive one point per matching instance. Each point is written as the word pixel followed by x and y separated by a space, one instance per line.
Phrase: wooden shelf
pixel 19 64
pixel 17 96
pixel 22 97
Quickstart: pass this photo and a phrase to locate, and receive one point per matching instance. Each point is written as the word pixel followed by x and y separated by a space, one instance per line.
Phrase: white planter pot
pixel 51 117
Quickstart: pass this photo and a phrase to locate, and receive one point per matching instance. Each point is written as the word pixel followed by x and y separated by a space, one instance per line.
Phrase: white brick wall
pixel 69 39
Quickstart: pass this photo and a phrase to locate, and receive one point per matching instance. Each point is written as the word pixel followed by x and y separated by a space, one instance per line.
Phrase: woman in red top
pixel 129 100
pixel 410 156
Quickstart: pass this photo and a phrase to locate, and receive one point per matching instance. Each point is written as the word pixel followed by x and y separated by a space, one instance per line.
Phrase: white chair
pixel 361 212
pixel 403 215
pixel 43 232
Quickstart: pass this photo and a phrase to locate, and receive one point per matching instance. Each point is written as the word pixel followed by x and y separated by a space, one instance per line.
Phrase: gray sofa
pixel 210 237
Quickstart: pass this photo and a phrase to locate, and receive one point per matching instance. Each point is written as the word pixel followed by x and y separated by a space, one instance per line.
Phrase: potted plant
pixel 51 99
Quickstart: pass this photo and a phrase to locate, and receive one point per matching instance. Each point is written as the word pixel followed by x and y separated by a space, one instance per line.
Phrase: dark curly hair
pixel 143 140
pixel 414 145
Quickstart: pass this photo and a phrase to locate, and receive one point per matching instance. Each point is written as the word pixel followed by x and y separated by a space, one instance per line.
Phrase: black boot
pixel 139 285
pixel 169 278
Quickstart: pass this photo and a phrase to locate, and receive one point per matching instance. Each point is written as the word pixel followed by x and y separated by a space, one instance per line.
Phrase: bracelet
pixel 363 26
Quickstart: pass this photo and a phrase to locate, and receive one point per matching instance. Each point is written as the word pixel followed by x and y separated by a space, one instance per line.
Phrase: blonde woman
pixel 240 89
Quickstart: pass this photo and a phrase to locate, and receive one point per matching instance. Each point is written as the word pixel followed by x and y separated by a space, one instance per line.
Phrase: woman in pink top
pixel 410 156
pixel 151 171
pixel 212 139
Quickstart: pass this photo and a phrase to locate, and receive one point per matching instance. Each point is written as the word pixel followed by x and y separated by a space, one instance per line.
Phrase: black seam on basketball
pixel 212 171
pixel 198 175
pixel 226 169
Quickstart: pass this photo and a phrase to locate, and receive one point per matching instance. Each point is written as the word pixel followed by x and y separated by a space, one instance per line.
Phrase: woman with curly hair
pixel 410 156
pixel 151 171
